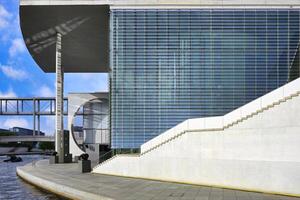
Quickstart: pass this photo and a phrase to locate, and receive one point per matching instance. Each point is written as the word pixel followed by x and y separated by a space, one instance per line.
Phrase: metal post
pixel 22 106
pixel 51 111
pixel 59 139
pixel 38 117
pixel 33 117
pixel 17 106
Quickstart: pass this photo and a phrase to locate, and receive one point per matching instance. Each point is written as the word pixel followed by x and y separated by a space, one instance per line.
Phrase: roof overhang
pixel 84 25
pixel 85 36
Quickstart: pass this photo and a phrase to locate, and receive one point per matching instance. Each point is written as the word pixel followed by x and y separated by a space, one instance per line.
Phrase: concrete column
pixel 59 137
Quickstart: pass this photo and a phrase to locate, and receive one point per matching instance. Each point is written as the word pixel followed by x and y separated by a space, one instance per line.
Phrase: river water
pixel 12 187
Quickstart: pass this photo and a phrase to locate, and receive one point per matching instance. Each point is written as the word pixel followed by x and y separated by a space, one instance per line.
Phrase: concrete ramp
pixel 255 148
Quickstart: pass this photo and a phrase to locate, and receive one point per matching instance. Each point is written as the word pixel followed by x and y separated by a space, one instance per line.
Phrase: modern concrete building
pixel 189 83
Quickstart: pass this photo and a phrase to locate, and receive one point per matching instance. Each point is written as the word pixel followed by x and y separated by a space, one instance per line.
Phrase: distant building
pixel 4 130
pixel 24 131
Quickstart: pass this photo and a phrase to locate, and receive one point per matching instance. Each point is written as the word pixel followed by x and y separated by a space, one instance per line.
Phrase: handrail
pixel 106 156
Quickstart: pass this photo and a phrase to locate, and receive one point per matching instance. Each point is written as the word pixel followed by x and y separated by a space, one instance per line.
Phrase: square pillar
pixel 59 120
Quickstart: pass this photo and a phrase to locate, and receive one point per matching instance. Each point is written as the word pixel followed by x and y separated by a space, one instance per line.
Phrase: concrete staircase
pixel 253 108
pixel 177 135
pixel 255 147
pixel 235 117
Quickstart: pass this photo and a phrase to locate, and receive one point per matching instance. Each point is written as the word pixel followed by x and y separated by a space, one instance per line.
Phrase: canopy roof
pixel 85 36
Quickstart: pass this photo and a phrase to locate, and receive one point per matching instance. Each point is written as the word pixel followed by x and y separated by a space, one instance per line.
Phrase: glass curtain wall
pixel 171 65
pixel 96 122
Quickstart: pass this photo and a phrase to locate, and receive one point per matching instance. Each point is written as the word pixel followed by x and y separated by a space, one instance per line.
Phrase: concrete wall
pixel 261 153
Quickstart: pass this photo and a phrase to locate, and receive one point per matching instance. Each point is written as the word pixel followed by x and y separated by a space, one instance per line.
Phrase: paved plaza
pixel 66 180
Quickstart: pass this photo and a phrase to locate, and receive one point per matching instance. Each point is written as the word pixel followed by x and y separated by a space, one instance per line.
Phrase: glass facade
pixel 171 65
pixel 95 122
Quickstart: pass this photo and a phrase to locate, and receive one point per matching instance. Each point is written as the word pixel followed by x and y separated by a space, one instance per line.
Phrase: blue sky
pixel 21 77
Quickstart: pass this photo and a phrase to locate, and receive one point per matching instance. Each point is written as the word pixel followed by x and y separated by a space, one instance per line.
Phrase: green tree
pixel 47 145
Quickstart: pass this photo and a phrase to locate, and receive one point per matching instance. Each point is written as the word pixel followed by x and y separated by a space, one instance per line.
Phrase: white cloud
pixel 45 91
pixel 4 12
pixel 9 93
pixel 4 17
pixel 18 122
pixel 16 74
pixel 16 47
pixel 86 82
pixel 3 23
pixel 10 28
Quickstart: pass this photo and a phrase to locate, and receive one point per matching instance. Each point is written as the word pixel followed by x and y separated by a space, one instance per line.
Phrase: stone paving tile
pixel 242 195
pixel 201 198
pixel 121 188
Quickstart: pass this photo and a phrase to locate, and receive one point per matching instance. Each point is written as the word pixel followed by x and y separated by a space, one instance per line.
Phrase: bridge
pixel 35 107
pixel 36 138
